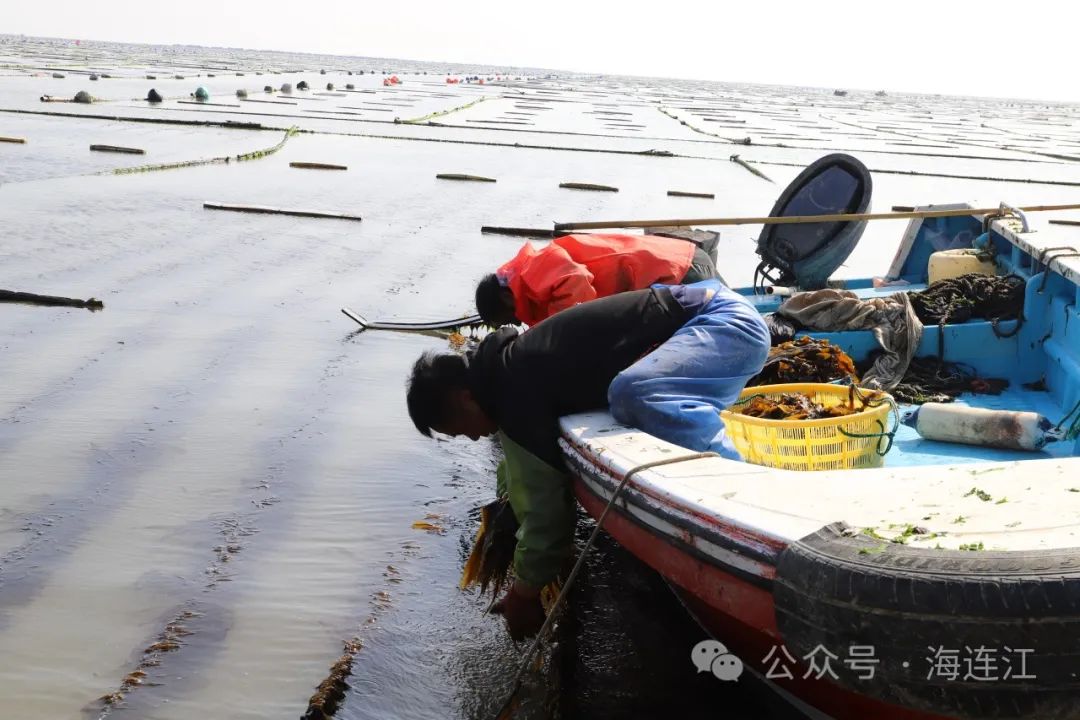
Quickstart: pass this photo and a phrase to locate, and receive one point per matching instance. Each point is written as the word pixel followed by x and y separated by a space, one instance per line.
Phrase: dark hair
pixel 489 300
pixel 433 376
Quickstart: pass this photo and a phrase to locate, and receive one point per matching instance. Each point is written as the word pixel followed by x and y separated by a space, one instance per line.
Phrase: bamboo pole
pixel 17 140
pixel 588 186
pixel 459 176
pixel 684 193
pixel 518 232
pixel 739 161
pixel 118 149
pixel 278 211
pixel 1065 222
pixel 26 298
pixel 800 219
pixel 317 166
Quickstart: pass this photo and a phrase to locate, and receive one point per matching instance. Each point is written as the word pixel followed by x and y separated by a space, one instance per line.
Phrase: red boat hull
pixel 738 612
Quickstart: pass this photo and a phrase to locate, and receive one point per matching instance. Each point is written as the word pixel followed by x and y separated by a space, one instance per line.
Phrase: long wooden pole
pixel 279 211
pixel 798 219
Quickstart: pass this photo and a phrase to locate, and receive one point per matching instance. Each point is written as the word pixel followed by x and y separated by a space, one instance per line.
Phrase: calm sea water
pixel 213 482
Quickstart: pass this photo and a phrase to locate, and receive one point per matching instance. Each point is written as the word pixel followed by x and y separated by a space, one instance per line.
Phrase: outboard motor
pixel 804 255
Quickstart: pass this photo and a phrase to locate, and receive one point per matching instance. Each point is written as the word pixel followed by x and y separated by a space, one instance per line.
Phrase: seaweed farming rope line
pixel 441 113
pixel 967 143
pixel 652 153
pixel 1029 181
pixel 253 155
pixel 565 590
pixel 802 219
pixel 209 123
pixel 1057 159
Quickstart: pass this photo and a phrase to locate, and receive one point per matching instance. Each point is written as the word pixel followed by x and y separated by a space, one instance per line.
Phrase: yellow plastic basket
pixel 859 440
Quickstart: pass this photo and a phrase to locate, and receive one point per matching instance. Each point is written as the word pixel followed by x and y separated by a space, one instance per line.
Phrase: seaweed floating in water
pixel 331 691
pixel 169 640
pixel 433 528
pixel 805 360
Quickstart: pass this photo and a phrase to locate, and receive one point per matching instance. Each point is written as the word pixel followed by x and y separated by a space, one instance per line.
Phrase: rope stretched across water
pixel 253 155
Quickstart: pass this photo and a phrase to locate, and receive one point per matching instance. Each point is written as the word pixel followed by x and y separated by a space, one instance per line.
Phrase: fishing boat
pixel 944 583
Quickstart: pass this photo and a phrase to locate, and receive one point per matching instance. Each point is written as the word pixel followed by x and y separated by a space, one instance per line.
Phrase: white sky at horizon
pixel 962 48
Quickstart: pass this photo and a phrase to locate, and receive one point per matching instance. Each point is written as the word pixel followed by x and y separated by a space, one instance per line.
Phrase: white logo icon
pixel 712 656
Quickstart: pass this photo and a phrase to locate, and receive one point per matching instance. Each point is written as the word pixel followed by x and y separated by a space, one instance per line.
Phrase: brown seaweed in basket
pixel 798 406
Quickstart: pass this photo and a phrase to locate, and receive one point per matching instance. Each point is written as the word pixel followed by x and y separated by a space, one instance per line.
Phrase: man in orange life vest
pixel 574 269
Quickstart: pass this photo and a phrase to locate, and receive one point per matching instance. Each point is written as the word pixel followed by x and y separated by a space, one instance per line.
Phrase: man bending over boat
pixel 574 269
pixel 668 359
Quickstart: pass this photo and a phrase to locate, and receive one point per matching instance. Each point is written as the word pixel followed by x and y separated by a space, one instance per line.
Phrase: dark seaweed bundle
pixel 805 360
pixel 959 299
pixel 931 380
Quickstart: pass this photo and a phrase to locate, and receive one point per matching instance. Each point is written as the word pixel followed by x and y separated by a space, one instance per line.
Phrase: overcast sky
pixel 991 48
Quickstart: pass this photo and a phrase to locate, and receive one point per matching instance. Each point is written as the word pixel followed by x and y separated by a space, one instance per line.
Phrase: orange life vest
pixel 578 268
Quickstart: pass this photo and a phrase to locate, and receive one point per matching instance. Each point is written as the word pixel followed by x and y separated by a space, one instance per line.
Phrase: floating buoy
pixel 153 96
pixel 1008 429
pixel 58 76
pixel 268 88
pixel 322 72
pixel 350 86
pixel 178 77
pixel 202 93
pixel 241 93
pixel 151 77
pixel 329 86
pixel 83 97
pixel 286 89
pixel 302 85
pixel 93 76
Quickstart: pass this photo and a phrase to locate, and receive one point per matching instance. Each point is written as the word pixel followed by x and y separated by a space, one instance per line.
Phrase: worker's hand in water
pixel 522 609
